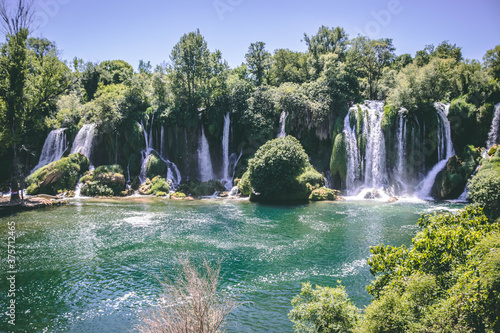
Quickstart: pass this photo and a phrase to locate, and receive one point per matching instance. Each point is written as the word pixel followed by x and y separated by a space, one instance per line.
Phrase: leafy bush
pixel 445 283
pixel 323 193
pixel 198 188
pixel 323 309
pixel 161 194
pixel 96 189
pixel 105 180
pixel 484 187
pixel 281 172
pixel 158 185
pixel 244 185
pixel 58 176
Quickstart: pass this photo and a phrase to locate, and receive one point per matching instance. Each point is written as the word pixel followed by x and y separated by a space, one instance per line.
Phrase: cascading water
pixel 282 132
pixel 353 173
pixel 225 148
pixel 401 150
pixel 53 149
pixel 173 173
pixel 375 172
pixel 368 171
pixel 84 141
pixel 204 161
pixel 445 150
pixel 493 135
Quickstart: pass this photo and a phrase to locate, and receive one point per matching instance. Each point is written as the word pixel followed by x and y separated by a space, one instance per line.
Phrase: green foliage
pixel 323 193
pixel 261 117
pixel 484 187
pixel 156 166
pixel 323 309
pixel 258 62
pixel 115 72
pixel 207 188
pixel 154 186
pixel 492 61
pixel 288 66
pixel 161 194
pixel 244 185
pixel 58 176
pixel 437 285
pixel 280 172
pixel 105 180
pixel 338 162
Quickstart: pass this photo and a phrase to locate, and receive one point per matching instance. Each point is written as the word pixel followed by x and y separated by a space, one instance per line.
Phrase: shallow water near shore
pixel 93 266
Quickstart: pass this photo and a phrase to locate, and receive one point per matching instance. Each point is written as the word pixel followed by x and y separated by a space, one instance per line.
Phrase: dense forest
pixel 193 112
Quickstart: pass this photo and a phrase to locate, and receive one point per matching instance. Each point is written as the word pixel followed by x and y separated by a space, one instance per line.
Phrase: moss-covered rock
pixel 58 176
pixel 338 163
pixel 281 173
pixel 451 182
pixel 104 181
pixel 154 186
pixel 156 166
pixel 198 188
pixel 324 194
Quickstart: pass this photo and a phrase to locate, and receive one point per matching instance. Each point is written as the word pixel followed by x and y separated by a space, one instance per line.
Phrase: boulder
pixel 59 176
pixel 324 194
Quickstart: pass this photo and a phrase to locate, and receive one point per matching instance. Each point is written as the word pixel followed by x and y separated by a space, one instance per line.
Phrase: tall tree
pixel 370 57
pixel 189 75
pixel 492 61
pixel 327 40
pixel 13 71
pixel 258 62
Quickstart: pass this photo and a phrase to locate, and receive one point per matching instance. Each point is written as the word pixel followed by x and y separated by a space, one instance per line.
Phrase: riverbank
pixel 29 203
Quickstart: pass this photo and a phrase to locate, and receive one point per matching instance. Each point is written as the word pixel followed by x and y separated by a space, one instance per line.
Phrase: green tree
pixel 189 76
pixel 370 57
pixel 288 66
pixel 258 62
pixel 323 309
pixel 492 61
pixel 327 40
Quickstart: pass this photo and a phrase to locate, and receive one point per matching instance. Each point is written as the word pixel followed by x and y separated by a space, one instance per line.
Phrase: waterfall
pixel 84 141
pixel 373 174
pixel 353 155
pixel 282 132
pixel 162 134
pixel 495 126
pixel 53 149
pixel 173 173
pixel 225 147
pixel 445 150
pixel 401 149
pixel 204 162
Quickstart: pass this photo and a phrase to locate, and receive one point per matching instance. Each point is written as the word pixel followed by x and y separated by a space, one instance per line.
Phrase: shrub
pixel 280 172
pixel 161 194
pixel 323 309
pixel 159 185
pixel 324 193
pixel 58 176
pixel 244 185
pixel 484 187
pixel 198 188
pixel 105 180
pixel 190 302
pixel 96 189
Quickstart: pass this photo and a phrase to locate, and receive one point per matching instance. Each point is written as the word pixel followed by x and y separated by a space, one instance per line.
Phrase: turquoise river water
pixel 93 266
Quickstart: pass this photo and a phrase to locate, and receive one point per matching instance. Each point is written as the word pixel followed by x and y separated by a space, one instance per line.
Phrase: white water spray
pixel 204 161
pixel 495 127
pixel 282 132
pixel 84 141
pixel 53 149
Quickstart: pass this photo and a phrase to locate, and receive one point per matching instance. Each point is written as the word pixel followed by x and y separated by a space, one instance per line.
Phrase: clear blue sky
pixel 97 30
